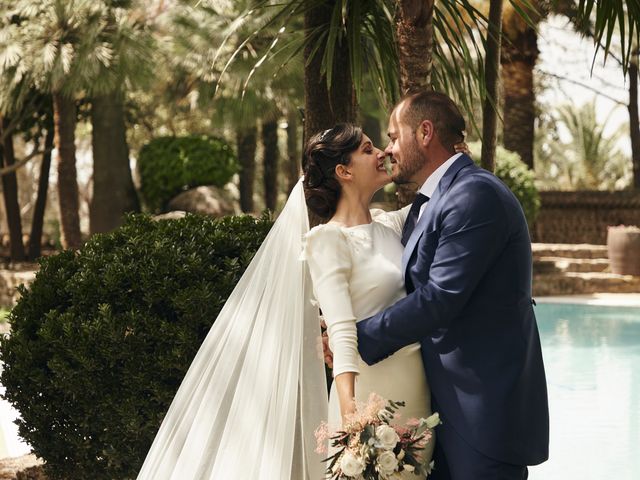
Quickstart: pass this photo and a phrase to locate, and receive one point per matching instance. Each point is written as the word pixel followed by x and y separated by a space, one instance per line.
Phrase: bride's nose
pixel 380 154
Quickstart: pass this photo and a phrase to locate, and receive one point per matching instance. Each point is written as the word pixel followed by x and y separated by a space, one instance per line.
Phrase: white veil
pixel 256 390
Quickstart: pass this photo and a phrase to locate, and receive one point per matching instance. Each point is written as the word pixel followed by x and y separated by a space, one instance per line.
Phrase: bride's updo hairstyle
pixel 324 152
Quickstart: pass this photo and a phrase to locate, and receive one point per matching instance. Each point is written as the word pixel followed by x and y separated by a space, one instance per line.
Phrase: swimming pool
pixel 592 361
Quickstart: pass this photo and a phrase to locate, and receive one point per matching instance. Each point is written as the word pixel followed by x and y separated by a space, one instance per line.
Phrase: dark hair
pixel 323 153
pixel 447 120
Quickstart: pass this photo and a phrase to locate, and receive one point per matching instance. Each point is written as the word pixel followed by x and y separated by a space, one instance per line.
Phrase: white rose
pixel 387 463
pixel 433 420
pixel 387 437
pixel 351 465
pixel 409 468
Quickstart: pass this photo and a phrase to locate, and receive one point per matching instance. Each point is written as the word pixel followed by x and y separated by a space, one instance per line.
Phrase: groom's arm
pixel 473 232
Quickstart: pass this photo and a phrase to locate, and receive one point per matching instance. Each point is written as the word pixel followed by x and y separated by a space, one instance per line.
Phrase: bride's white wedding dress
pixel 256 390
pixel 356 273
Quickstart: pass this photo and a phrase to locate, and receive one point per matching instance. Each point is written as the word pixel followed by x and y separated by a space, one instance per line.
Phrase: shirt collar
pixel 430 185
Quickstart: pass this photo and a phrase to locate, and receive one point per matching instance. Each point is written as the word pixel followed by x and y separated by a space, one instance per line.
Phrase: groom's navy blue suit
pixel 467 268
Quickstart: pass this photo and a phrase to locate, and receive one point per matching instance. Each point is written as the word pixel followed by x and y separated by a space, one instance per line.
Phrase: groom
pixel 467 268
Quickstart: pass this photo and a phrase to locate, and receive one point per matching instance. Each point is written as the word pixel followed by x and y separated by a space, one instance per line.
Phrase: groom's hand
pixel 326 351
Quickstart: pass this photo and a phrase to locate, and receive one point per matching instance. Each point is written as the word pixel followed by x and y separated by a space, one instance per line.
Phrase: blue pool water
pixel 592 360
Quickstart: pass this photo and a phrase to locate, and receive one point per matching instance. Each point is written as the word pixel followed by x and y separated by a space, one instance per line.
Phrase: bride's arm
pixel 329 260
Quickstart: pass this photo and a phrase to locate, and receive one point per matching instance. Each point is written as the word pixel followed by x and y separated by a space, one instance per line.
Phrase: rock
pixel 10 278
pixel 208 200
pixel 25 467
pixel 175 215
pixel 32 473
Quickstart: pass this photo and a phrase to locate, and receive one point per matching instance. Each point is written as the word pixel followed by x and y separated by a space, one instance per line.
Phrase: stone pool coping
pixel 601 299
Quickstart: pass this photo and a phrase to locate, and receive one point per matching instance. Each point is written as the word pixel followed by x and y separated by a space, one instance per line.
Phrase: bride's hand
pixel 326 351
pixel 462 147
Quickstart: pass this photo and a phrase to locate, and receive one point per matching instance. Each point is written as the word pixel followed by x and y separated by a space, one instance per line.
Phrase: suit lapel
pixel 431 208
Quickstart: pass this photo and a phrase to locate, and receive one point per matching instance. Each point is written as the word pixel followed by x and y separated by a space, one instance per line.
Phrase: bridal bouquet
pixel 370 448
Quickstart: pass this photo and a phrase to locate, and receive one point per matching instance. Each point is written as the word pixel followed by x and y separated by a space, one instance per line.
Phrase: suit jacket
pixel 468 276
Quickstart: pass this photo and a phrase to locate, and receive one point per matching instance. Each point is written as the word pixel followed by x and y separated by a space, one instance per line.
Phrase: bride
pixel 355 263
pixel 256 390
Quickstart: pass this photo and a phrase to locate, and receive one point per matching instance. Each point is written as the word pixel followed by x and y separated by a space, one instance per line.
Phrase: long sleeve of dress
pixel 329 259
pixel 394 219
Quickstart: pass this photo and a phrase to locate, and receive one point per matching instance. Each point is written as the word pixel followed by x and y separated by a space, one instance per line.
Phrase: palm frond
pixel 611 17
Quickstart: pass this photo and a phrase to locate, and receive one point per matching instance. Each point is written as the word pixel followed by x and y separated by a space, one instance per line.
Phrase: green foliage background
pixel 515 174
pixel 169 165
pixel 103 337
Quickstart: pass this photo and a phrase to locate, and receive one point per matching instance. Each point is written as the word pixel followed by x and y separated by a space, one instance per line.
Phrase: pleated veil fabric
pixel 256 390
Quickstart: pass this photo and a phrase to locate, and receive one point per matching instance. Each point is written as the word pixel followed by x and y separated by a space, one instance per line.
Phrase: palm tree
pixel 275 86
pixel 414 31
pixel 246 143
pixel 582 157
pixel 329 94
pixel 518 60
pixel 67 48
pixel 271 157
pixel 35 237
pixel 131 51
pixel 489 110
pixel 32 121
pixel 10 192
pixel 44 57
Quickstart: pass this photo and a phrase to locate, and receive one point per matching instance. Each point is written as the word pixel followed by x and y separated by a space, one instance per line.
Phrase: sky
pixel 565 54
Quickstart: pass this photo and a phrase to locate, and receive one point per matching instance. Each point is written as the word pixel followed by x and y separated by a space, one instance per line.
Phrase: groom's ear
pixel 425 132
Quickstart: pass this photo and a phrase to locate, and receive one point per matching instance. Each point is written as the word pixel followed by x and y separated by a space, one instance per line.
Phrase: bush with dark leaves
pixel 103 337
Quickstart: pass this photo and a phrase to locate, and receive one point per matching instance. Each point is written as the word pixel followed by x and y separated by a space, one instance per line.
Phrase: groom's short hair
pixel 437 107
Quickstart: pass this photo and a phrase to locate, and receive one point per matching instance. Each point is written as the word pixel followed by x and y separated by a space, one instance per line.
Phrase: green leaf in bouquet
pixel 367 434
pixel 421 428
pixel 332 460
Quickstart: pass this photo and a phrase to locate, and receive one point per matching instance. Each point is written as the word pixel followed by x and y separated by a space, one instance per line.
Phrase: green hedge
pixel 103 337
pixel 169 165
pixel 517 176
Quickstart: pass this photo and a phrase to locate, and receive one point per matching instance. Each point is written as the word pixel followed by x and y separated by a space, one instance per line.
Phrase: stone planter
pixel 623 245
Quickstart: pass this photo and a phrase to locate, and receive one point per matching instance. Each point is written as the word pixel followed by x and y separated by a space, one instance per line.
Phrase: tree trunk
pixel 293 152
pixel 113 190
pixel 246 140
pixel 10 194
pixel 414 33
pixel 35 238
pixel 65 124
pixel 271 155
pixel 492 66
pixel 634 122
pixel 414 30
pixel 518 59
pixel 325 107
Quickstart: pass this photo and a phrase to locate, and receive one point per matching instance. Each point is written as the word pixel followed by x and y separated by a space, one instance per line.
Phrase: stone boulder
pixel 208 200
pixel 173 215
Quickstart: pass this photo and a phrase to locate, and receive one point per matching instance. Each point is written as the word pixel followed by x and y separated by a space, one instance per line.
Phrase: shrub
pixel 515 174
pixel 103 337
pixel 169 165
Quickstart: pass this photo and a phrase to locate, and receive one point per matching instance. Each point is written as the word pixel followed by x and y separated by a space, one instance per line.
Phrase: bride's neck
pixel 352 209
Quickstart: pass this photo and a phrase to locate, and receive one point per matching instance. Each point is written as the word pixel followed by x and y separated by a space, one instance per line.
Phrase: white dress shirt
pixel 430 185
